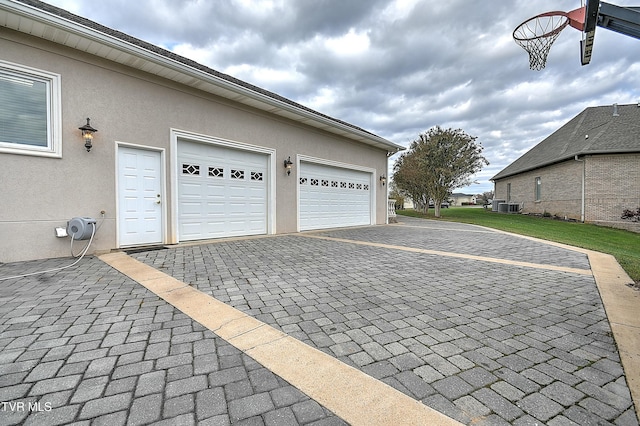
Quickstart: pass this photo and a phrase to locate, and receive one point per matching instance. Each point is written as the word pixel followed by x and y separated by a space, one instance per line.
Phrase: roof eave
pixel 563 159
pixel 31 20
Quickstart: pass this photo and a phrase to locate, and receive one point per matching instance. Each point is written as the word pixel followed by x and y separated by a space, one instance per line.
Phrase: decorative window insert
pixel 190 169
pixel 30 111
pixel 303 181
pixel 343 184
pixel 325 182
pixel 237 174
pixel 352 185
pixel 359 186
pixel 216 172
pixel 314 182
pixel 334 184
pixel 256 176
pixel 365 187
pixel 538 189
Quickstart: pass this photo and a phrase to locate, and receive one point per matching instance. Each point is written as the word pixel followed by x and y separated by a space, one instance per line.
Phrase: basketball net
pixel 537 35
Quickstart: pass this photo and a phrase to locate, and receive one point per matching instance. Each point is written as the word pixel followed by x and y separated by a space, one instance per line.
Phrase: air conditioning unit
pixel 495 204
pixel 81 228
pixel 514 208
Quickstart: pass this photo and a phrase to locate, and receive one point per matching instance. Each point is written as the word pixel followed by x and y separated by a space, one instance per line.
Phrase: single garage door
pixel 222 192
pixel 333 197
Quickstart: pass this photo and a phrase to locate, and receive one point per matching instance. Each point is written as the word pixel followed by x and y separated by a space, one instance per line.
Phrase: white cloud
pixel 350 44
pixel 395 67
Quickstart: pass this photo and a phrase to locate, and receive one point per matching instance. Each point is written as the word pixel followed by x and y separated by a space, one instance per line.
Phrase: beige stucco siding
pixel 127 106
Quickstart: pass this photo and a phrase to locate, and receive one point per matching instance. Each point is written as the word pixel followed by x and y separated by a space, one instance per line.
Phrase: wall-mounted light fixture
pixel 287 165
pixel 383 180
pixel 87 134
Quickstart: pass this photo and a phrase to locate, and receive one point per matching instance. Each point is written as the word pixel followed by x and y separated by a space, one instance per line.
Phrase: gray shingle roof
pixel 596 130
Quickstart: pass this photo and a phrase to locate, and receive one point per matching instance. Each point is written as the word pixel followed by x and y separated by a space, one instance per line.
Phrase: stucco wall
pixel 128 106
pixel 561 190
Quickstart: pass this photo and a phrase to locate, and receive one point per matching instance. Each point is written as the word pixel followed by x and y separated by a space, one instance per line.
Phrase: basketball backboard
pixel 592 8
pixel 536 35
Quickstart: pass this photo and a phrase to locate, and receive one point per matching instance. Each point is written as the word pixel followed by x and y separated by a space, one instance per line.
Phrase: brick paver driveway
pixel 481 341
pixel 484 327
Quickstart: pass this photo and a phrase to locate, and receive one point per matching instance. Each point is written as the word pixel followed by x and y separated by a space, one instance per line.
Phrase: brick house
pixel 588 170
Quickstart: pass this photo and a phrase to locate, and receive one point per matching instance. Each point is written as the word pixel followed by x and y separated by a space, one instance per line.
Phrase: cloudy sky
pixel 396 67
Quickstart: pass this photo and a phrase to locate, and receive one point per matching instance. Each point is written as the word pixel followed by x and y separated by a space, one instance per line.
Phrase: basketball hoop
pixel 536 35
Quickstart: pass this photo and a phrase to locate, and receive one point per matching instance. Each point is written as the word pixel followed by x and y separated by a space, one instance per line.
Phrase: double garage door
pixel 223 192
pixel 333 197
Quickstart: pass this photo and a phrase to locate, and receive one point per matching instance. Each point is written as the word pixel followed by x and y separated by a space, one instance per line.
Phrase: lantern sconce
pixel 383 180
pixel 287 165
pixel 87 134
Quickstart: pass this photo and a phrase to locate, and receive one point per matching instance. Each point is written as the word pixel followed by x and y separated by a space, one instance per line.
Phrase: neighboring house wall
pixel 408 204
pixel 612 185
pixel 132 107
pixel 560 190
pixel 461 199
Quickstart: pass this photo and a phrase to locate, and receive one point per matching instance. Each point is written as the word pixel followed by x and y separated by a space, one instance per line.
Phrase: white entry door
pixel 139 196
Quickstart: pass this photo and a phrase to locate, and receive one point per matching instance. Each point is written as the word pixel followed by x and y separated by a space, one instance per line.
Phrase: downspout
pixel 386 191
pixel 583 179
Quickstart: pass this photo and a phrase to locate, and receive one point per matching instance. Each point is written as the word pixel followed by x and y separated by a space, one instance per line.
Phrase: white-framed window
pixel 538 189
pixel 30 111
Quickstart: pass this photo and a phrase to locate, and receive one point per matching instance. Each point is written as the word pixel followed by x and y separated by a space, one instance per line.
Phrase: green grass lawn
pixel 623 245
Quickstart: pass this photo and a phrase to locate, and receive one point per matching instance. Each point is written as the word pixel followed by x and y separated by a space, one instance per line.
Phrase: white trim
pixel 300 158
pixel 54 114
pixel 176 134
pixel 163 186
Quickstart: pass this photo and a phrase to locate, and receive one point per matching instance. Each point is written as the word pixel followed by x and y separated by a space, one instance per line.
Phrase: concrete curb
pixel 621 304
pixel 349 393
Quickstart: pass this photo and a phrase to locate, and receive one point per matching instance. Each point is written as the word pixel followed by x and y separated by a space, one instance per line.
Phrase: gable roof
pixel 60 26
pixel 596 130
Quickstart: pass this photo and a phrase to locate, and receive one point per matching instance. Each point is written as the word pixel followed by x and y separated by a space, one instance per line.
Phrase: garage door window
pixel 326 183
pixel 190 169
pixel 216 172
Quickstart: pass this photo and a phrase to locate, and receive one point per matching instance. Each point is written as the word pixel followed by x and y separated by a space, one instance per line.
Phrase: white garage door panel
pixel 333 197
pixel 222 192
